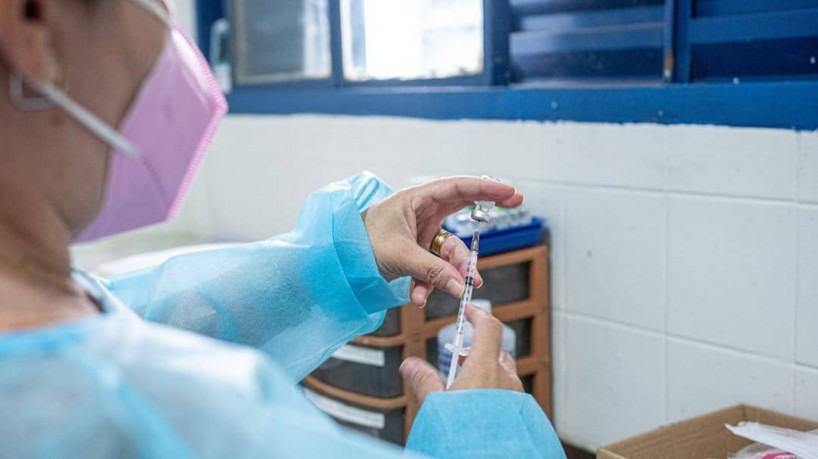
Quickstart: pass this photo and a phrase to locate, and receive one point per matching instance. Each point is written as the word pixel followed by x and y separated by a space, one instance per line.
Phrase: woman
pixel 200 356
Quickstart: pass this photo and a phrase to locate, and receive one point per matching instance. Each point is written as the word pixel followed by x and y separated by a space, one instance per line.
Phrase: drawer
pixel 384 424
pixel 364 370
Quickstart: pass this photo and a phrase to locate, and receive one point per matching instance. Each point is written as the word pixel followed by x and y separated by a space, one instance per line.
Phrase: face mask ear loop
pixel 23 102
pixel 55 97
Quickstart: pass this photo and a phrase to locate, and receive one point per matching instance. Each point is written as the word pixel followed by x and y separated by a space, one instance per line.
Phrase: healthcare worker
pixel 109 109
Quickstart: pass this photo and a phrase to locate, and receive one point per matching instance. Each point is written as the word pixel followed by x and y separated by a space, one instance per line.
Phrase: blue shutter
pixel 751 40
pixel 602 41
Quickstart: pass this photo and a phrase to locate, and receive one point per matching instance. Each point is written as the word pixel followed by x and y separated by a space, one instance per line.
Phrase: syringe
pixel 480 214
pixel 456 348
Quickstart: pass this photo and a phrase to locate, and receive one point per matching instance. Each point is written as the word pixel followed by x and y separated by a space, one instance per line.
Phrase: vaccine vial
pixel 481 212
pixel 482 209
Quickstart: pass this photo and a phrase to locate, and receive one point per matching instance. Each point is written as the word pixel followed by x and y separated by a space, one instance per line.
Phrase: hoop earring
pixel 23 102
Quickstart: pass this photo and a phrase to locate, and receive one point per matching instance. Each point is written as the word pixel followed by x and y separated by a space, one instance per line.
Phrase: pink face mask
pixel 161 141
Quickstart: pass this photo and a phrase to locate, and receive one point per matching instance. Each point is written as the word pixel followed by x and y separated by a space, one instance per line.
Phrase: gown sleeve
pixel 298 297
pixel 485 423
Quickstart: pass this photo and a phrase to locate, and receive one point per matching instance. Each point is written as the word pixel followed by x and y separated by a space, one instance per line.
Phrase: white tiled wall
pixel 601 225
pixel 710 161
pixel 701 376
pixel 685 259
pixel 612 380
pixel 807 306
pixel 808 168
pixel 732 273
pixel 806 401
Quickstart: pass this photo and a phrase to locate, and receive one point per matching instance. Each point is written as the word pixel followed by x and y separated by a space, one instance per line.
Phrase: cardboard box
pixel 702 437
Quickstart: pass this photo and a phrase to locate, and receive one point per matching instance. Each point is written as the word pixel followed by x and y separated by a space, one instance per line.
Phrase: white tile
pixel 703 378
pixel 630 155
pixel 254 197
pixel 808 167
pixel 575 152
pixel 744 162
pixel 546 200
pixel 615 256
pixel 614 383
pixel 807 313
pixel 732 274
pixel 502 149
pixel 457 147
pixel 806 393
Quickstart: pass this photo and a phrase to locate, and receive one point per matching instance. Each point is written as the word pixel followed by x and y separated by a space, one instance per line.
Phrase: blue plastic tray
pixel 507 239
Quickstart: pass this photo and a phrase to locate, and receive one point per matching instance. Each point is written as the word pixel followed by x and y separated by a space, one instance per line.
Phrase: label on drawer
pixel 358 354
pixel 345 412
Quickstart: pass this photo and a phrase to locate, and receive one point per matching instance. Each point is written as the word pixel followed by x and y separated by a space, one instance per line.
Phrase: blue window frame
pixel 727 62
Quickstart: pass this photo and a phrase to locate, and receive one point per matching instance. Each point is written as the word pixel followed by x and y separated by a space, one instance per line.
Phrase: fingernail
pixel 408 369
pixel 455 286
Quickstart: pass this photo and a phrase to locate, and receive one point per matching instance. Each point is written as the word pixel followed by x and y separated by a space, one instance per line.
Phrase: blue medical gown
pixel 263 316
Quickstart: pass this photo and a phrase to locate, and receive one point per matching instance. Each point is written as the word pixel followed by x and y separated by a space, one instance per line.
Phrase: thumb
pixel 421 377
pixel 434 271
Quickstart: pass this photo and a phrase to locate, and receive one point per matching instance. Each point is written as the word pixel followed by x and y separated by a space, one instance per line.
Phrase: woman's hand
pixel 488 366
pixel 401 229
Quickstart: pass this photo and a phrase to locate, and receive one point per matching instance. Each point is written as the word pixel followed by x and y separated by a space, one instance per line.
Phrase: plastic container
pixel 447 333
pixel 506 239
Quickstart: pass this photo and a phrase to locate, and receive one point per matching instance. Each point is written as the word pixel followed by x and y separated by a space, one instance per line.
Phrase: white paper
pixel 802 444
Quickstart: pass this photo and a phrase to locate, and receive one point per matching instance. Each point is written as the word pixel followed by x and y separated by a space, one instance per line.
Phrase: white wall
pixel 685 258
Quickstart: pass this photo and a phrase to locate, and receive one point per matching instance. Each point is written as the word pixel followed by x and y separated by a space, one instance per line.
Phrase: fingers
pixel 488 335
pixel 421 377
pixel 461 359
pixel 515 201
pixel 420 293
pixel 456 253
pixel 465 190
pixel 508 363
pixel 433 271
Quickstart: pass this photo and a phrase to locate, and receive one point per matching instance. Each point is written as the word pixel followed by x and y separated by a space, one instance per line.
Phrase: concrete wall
pixel 685 259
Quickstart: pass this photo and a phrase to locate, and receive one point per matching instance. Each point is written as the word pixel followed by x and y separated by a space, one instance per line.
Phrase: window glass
pixel 412 39
pixel 281 40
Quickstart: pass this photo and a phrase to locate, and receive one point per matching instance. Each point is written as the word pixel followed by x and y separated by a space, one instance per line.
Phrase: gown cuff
pixel 354 249
pixel 483 423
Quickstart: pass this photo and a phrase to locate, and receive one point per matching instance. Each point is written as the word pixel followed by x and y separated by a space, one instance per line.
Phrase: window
pixel 733 62
pixel 340 43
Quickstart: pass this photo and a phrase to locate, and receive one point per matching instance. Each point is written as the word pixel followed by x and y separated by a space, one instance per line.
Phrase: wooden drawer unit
pixel 362 379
